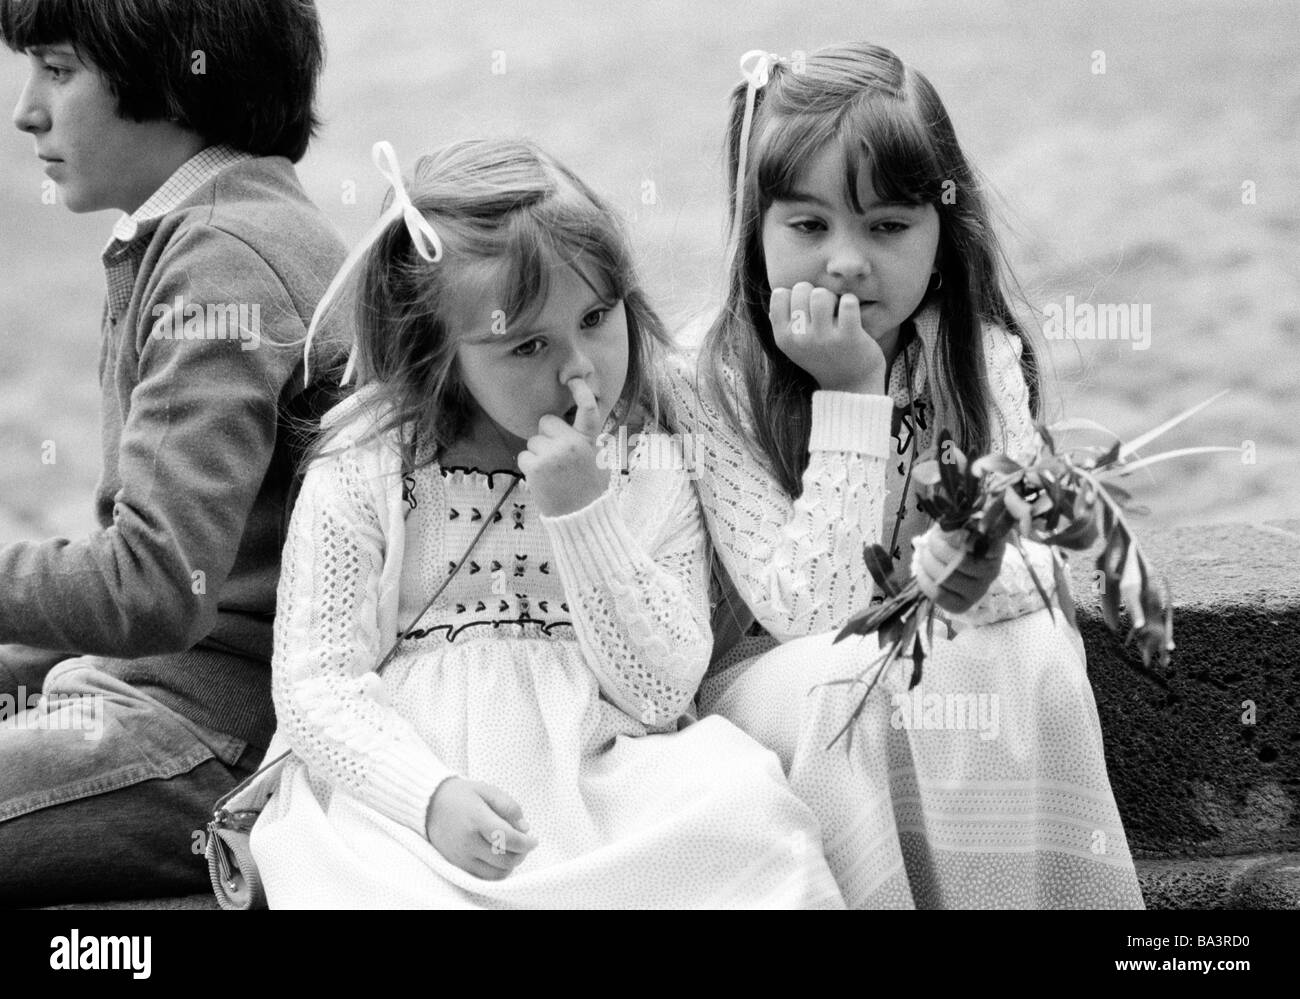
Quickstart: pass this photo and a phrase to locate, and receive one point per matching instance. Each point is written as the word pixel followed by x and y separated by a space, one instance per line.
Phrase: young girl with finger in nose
pixel 865 311
pixel 521 748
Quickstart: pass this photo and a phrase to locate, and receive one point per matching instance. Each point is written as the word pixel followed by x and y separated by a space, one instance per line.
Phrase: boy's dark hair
pixel 240 72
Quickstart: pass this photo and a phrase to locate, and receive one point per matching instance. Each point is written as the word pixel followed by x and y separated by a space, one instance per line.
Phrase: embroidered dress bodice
pixel 509 587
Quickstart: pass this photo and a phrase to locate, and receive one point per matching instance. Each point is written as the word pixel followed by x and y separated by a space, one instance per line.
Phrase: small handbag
pixel 234 874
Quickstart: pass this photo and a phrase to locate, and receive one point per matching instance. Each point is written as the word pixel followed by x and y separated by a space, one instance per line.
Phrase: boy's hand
pixel 560 463
pixel 478 827
pixel 961 589
pixel 834 349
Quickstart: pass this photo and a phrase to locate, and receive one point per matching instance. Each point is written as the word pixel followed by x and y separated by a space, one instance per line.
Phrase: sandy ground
pixel 1117 187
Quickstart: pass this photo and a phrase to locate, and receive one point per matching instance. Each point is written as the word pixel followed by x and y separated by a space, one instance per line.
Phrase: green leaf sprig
pixel 1063 498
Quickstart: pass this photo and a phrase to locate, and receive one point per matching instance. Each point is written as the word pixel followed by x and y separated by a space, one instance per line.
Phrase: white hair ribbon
pixel 757 78
pixel 423 237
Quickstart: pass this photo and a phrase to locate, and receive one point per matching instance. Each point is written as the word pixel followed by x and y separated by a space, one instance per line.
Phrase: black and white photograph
pixel 711 456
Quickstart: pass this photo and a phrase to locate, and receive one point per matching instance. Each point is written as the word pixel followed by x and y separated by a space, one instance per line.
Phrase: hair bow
pixel 423 237
pixel 757 77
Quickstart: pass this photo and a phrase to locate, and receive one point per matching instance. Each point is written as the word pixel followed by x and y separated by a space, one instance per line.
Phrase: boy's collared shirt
pixel 131 233
pixel 176 590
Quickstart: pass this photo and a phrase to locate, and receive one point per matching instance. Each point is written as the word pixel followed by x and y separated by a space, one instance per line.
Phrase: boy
pixel 153 635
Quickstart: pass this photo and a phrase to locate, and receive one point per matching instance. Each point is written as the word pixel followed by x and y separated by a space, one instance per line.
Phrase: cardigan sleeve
pixel 639 595
pixel 329 702
pixel 1011 425
pixel 796 562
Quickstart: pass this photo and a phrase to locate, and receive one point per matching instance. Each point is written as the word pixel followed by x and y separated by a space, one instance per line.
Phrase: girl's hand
pixel 961 589
pixel 478 827
pixel 560 463
pixel 835 350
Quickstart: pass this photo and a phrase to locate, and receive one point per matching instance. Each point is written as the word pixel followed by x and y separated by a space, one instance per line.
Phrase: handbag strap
pixel 488 521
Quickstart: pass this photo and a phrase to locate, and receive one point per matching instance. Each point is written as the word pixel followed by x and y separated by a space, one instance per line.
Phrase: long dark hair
pixel 508 203
pixel 886 114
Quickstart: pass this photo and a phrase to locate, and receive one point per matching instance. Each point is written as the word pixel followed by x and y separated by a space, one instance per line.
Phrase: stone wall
pixel 1204 755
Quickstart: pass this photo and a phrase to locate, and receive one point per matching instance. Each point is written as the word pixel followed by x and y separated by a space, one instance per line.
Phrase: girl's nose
pixel 29 114
pixel 576 364
pixel 848 258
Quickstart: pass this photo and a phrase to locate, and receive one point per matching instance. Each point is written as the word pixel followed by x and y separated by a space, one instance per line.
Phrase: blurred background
pixel 1169 179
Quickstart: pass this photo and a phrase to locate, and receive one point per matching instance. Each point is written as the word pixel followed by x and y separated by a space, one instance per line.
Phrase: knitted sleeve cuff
pixel 405 779
pixel 592 541
pixel 851 421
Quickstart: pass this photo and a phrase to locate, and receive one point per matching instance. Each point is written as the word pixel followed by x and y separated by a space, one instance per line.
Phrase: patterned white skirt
pixel 703 817
pixel 984 787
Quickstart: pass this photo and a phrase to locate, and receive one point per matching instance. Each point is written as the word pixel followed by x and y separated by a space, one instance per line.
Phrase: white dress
pixel 985 786
pixel 556 666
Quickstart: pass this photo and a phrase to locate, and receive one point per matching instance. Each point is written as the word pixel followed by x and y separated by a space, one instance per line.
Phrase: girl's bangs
pixel 886 133
pixel 585 239
pixel 533 250
pixel 525 271
pixel 880 133
pixel 783 148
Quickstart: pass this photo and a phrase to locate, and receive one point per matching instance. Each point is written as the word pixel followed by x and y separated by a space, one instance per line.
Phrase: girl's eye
pixel 892 228
pixel 807 225
pixel 523 350
pixel 594 318
pixel 58 72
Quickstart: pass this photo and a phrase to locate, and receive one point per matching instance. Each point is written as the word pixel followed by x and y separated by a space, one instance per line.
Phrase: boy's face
pixel 98 159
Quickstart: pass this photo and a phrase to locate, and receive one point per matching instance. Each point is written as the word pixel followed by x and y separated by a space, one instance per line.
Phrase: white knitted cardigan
pixel 798 563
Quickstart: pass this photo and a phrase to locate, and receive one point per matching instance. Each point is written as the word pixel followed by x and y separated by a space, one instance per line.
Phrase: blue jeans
pixel 104 792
